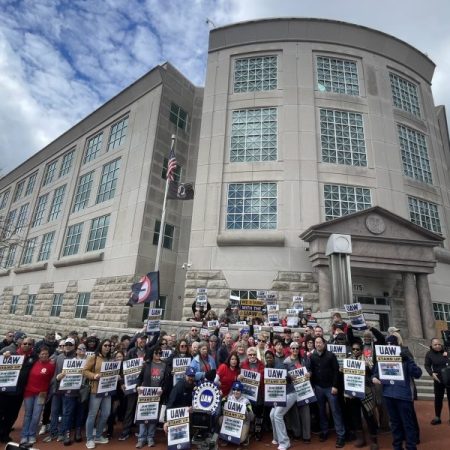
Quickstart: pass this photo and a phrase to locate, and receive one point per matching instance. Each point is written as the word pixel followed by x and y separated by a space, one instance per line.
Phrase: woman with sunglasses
pixel 367 406
pixel 92 371
pixel 204 364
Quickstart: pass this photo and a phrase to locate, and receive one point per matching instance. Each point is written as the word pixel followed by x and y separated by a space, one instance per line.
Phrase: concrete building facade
pixel 313 127
pixel 80 218
pixel 304 128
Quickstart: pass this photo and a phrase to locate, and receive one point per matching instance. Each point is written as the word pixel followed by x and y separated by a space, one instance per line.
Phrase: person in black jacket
pixel 9 337
pixel 49 341
pixel 324 378
pixel 435 360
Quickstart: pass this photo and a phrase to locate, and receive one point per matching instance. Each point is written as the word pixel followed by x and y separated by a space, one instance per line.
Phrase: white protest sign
pixel 131 370
pixel 179 366
pixel 9 372
pixel 251 382
pixel 302 385
pixel 389 360
pixel 147 405
pixel 340 351
pixel 109 376
pixel 356 316
pixel 73 370
pixel 275 387
pixel 233 420
pixel 354 377
pixel 154 321
pixel 178 429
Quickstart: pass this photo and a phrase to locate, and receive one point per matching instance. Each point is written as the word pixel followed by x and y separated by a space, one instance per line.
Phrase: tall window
pixel 342 138
pixel 252 206
pixel 416 163
pixel 39 211
pixel 28 251
pixel 254 135
pixel 2 256
pixel 177 173
pixel 108 181
pixel 4 198
pixel 30 304
pixel 46 246
pixel 405 95
pixel 337 75
pixel 93 147
pixel 425 214
pixel 56 207
pixel 118 134
pixel 22 217
pixel 83 191
pixel 55 310
pixel 98 233
pixel 19 189
pixel 31 183
pixel 49 173
pixel 8 227
pixel 342 200
pixel 168 234
pixel 255 74
pixel 10 258
pixel 81 309
pixel 178 116
pixel 14 303
pixel 67 161
pixel 73 238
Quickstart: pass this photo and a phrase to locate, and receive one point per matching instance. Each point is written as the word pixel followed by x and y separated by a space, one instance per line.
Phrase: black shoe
pixel 436 421
pixel 67 441
pixel 124 436
pixel 78 435
pixel 340 442
pixel 323 437
pixel 307 441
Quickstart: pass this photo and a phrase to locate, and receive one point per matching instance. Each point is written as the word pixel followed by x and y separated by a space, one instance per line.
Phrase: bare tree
pixel 11 240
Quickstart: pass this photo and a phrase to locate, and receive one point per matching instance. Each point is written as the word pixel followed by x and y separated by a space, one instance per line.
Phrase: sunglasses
pixel 106 345
pixel 26 343
pixel 356 349
pixel 183 345
pixel 158 353
pixel 83 349
pixel 262 341
pixel 294 348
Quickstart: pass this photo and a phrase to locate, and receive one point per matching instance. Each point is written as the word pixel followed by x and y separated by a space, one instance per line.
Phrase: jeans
pixel 403 425
pixel 277 418
pixel 324 394
pixel 97 403
pixel 33 409
pixel 147 432
pixel 69 405
pixel 55 426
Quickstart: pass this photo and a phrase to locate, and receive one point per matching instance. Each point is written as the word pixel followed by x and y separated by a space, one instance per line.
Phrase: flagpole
pixel 163 215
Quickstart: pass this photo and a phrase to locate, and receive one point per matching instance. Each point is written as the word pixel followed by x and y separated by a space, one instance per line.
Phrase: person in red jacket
pixel 35 395
pixel 254 364
pixel 227 373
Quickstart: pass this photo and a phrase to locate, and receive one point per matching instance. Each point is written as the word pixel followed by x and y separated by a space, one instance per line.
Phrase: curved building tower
pixel 316 127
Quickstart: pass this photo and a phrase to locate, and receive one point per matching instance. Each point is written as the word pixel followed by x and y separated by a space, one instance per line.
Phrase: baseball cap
pixel 393 330
pixel 19 335
pixel 392 340
pixel 69 341
pixel 237 386
pixel 190 372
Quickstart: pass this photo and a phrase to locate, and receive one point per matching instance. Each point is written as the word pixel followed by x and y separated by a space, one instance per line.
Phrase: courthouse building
pixel 308 128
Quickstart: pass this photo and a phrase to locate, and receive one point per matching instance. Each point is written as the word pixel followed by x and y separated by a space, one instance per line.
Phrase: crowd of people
pixel 217 356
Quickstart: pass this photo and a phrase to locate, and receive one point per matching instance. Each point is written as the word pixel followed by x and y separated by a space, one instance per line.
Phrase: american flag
pixel 171 165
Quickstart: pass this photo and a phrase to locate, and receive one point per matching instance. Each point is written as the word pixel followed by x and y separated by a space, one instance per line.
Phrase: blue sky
pixel 61 59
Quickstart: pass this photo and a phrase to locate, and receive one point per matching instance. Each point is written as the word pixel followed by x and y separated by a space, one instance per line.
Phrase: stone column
pixel 412 306
pixel 324 288
pixel 426 306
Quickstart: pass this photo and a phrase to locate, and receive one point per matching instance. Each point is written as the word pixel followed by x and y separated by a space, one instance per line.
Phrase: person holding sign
pixel 154 373
pixel 35 395
pixel 228 373
pixel 203 364
pixel 237 415
pixel 398 394
pixel 92 371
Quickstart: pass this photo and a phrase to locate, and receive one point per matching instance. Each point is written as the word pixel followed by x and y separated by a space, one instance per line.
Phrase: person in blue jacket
pixel 203 363
pixel 399 400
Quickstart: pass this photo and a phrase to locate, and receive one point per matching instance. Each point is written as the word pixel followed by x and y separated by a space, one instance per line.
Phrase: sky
pixel 62 59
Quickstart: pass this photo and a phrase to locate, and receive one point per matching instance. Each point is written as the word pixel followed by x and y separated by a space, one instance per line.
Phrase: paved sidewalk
pixel 432 437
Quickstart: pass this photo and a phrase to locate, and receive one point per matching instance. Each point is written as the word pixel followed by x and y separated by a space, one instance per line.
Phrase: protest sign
pixel 297 303
pixel 251 382
pixel 73 370
pixel 354 377
pixel 250 308
pixel 178 429
pixel 201 301
pixel 275 387
pixel 179 366
pixel 234 300
pixel 292 317
pixel 9 372
pixel 204 334
pixel 340 351
pixel 109 375
pixel 131 370
pixel 356 316
pixel 389 360
pixel 147 405
pixel 154 321
pixel 233 421
pixel 302 385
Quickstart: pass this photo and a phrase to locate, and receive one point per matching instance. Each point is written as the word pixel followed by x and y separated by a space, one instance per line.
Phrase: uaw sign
pixel 206 398
pixel 9 372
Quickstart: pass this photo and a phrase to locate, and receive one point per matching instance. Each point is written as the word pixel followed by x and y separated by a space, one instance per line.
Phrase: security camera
pixel 186 265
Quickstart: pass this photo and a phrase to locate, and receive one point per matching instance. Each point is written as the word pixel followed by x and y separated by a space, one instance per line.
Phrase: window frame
pixel 337 76
pixel 423 217
pixel 18 190
pixel 118 133
pixel 83 191
pixel 57 303
pixel 341 200
pixel 28 251
pixel 57 201
pixel 14 304
pixel 73 239
pixel 93 147
pixel 405 104
pixel 257 74
pixel 96 242
pixel 31 183
pixel 44 253
pixel 168 239
pixel 175 116
pixel 108 183
pixel 82 305
pixel 49 172
pixel 66 163
pixel 31 302
pixel 41 204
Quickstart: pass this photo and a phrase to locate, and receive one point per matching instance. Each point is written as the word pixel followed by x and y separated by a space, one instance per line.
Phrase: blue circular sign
pixel 206 398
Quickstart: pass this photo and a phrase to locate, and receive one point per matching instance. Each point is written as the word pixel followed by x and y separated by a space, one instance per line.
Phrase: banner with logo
pixel 354 377
pixel 147 405
pixel 356 316
pixel 131 370
pixel 178 429
pixel 275 387
pixel 73 370
pixel 233 421
pixel 109 376
pixel 179 366
pixel 251 382
pixel 206 398
pixel 389 361
pixel 340 351
pixel 302 385
pixel 9 372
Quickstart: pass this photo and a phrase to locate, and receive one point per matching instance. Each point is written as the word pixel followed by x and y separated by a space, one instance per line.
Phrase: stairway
pixel 424 386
